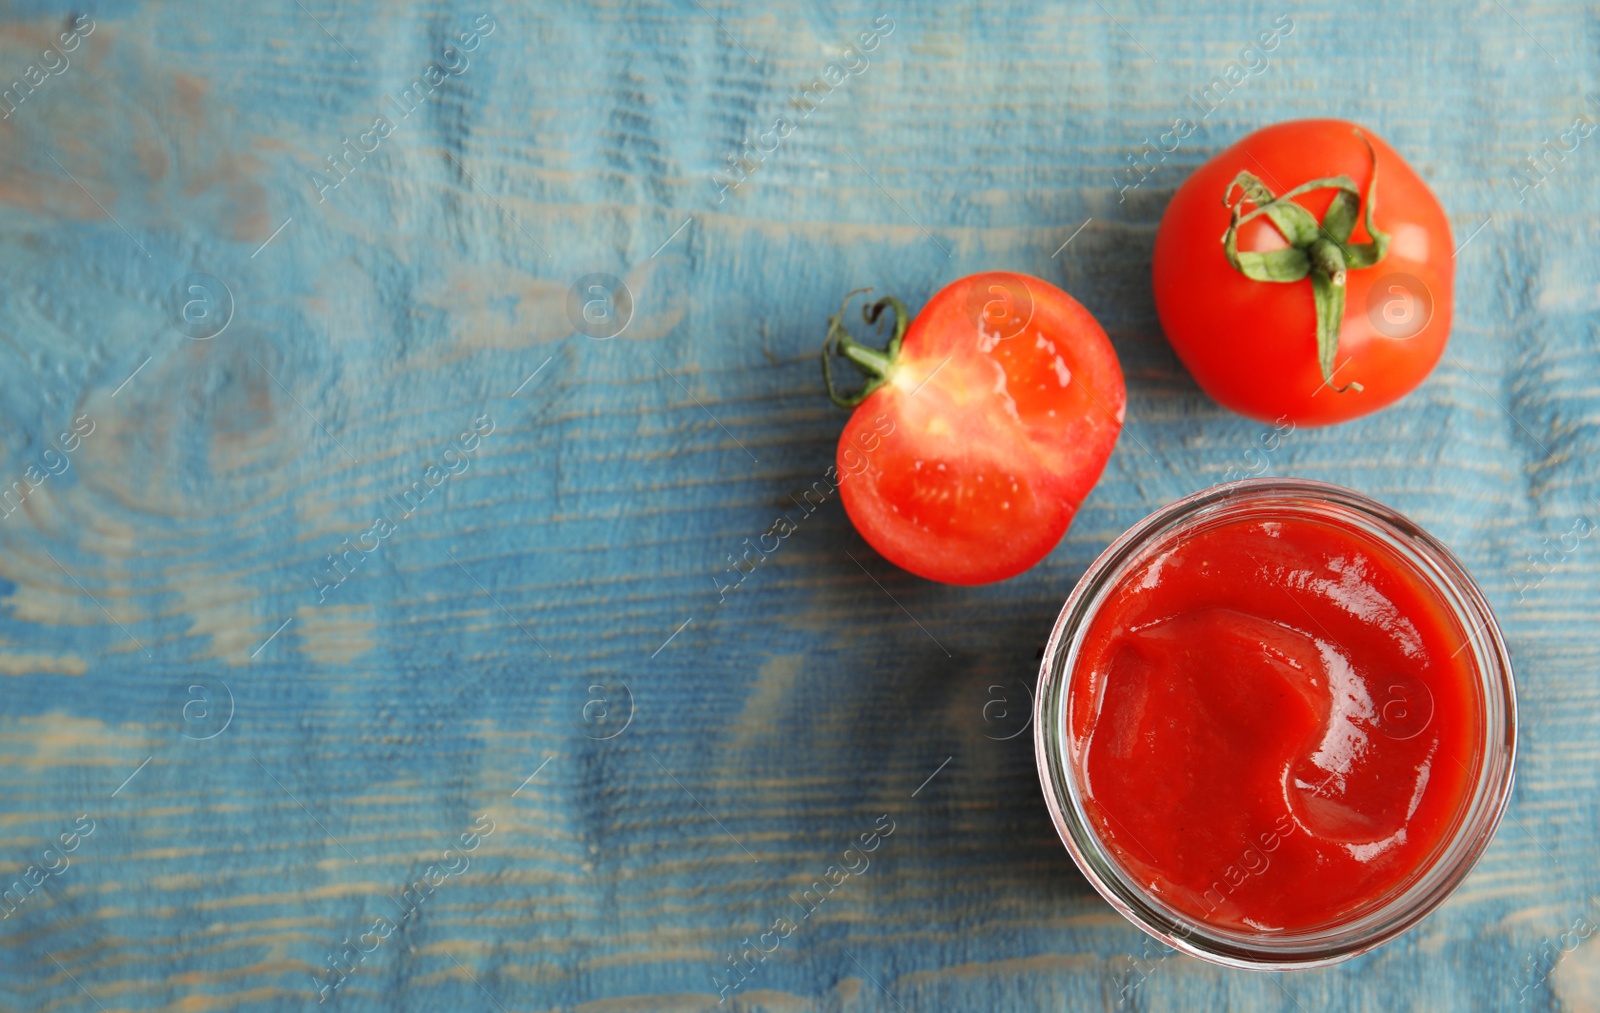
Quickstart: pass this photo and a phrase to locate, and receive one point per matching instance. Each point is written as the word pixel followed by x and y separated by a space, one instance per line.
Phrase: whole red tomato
pixel 1306 273
pixel 982 427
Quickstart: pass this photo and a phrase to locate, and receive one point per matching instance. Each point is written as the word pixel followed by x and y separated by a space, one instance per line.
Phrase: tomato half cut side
pixel 983 426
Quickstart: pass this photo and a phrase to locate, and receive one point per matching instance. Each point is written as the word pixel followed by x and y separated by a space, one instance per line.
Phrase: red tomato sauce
pixel 1274 723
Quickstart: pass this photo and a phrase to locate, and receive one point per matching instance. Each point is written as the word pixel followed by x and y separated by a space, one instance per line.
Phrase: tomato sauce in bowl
pixel 1276 724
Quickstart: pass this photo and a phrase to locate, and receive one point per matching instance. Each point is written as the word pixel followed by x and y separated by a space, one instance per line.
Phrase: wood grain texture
pixel 393 712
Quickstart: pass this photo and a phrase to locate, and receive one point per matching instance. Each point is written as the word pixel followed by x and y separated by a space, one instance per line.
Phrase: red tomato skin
pixel 956 469
pixel 1252 345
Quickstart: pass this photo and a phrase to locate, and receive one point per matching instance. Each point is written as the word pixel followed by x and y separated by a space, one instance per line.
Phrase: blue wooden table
pixel 365 606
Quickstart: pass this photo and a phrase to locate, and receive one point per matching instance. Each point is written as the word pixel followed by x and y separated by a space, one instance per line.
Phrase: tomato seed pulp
pixel 1273 723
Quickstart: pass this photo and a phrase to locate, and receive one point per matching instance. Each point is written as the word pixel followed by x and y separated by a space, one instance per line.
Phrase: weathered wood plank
pixel 343 739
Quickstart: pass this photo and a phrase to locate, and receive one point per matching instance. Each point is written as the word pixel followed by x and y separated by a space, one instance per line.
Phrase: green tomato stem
pixel 872 363
pixel 1320 251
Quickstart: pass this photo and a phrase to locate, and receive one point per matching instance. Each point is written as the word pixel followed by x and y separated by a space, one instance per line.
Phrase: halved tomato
pixel 982 428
